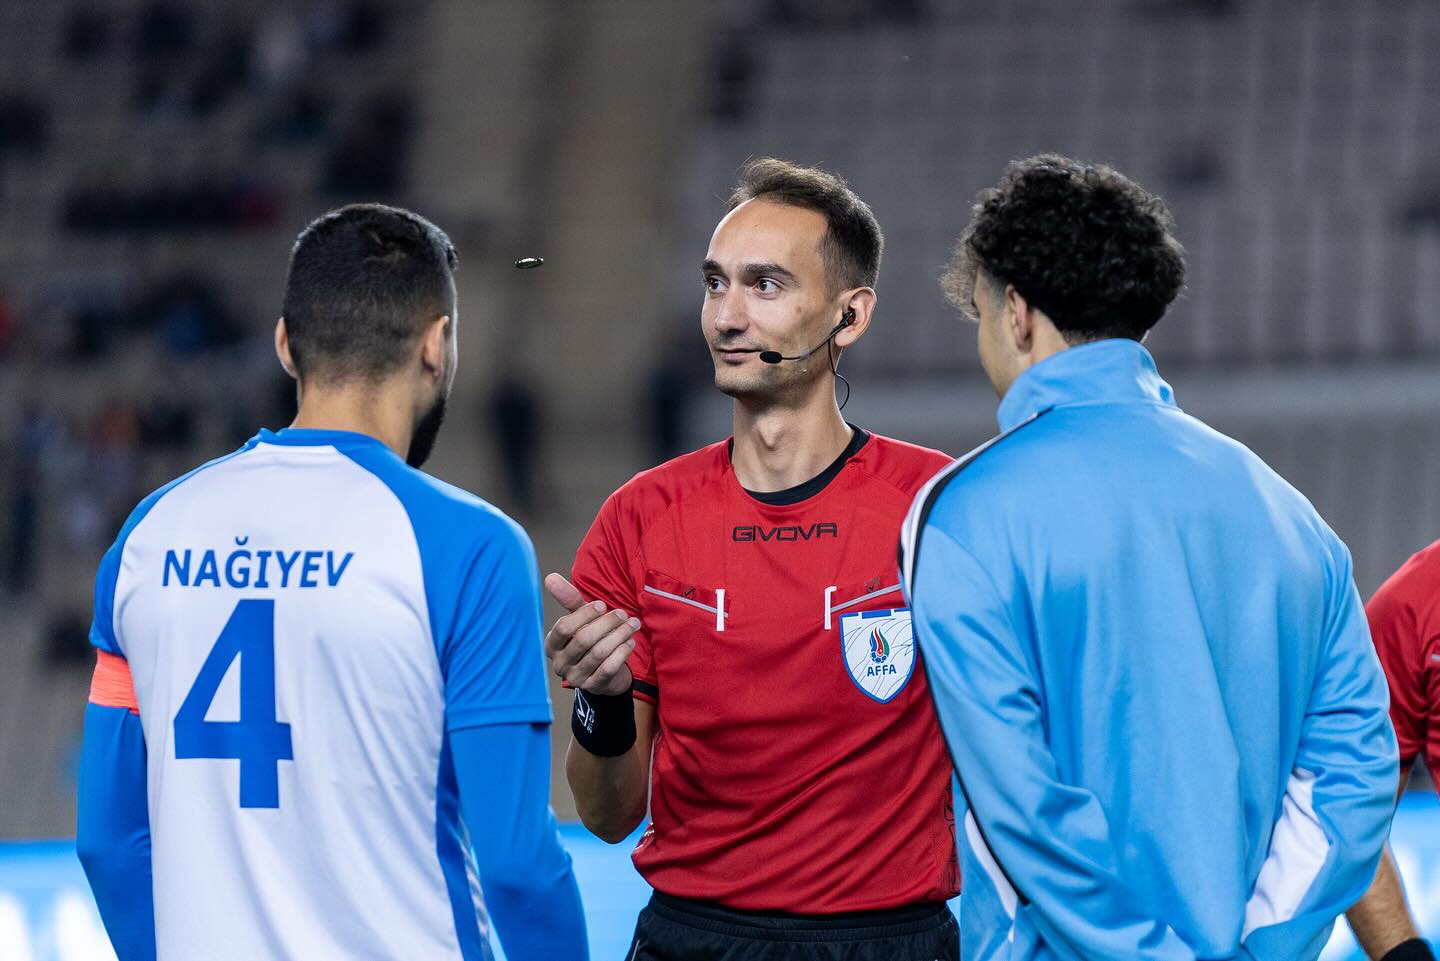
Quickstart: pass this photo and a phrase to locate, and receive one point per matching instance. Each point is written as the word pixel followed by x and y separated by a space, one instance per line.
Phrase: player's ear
pixel 1019 318
pixel 282 349
pixel 859 306
pixel 432 345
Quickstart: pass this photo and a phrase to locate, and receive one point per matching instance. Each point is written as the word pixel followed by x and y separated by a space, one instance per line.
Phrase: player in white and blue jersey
pixel 319 666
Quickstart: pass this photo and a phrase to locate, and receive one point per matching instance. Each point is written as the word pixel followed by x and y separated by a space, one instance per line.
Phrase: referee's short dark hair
pixel 853 243
pixel 1087 245
pixel 364 280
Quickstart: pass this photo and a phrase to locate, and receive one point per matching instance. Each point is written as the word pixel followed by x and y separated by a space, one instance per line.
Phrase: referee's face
pixel 766 288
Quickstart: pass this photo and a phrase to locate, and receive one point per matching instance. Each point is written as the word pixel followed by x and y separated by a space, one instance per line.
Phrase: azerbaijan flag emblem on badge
pixel 879 651
pixel 879 647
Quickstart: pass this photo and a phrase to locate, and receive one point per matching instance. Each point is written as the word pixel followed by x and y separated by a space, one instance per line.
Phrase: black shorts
pixel 678 929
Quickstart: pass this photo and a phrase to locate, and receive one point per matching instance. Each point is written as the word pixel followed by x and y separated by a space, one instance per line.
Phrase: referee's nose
pixel 727 315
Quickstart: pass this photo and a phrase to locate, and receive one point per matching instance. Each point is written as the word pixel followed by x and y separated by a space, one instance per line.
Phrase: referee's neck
pixel 778 447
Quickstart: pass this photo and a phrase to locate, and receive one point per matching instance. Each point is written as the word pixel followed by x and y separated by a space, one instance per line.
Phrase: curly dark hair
pixel 1084 243
pixel 853 243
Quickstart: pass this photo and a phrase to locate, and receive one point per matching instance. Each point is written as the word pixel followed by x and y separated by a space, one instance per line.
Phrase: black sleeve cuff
pixel 1412 950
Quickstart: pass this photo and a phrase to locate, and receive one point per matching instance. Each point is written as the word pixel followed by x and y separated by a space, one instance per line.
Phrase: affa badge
pixel 879 651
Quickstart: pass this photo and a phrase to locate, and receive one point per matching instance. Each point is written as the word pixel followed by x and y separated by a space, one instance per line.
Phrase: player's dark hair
pixel 1084 243
pixel 853 241
pixel 363 282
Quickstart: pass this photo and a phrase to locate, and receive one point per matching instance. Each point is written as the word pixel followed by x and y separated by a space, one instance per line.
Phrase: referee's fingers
pixel 591 656
pixel 567 644
pixel 568 625
pixel 588 636
pixel 563 591
pixel 613 666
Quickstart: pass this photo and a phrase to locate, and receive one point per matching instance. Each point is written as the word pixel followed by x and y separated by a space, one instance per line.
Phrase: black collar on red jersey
pixel 816 484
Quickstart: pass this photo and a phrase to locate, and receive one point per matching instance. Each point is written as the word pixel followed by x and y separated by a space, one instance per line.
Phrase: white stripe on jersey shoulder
pixel 919 507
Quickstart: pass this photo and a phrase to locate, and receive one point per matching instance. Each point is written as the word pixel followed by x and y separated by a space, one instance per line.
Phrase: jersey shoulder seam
pixel 149 503
pixel 638 550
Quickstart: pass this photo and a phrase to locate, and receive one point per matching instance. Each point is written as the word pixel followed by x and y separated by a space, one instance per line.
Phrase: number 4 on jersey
pixel 257 740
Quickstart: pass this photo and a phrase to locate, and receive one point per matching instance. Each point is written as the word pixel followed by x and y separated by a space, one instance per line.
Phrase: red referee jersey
pixel 798 763
pixel 1404 619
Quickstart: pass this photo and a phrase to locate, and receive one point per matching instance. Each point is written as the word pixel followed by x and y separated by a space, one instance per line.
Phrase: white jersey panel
pixel 312 841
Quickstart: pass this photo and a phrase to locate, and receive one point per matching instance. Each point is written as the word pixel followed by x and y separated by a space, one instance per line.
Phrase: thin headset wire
pixel 834 369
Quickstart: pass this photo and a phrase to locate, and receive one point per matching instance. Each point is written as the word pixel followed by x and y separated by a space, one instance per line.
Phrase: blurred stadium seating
pixel 172 151
pixel 157 158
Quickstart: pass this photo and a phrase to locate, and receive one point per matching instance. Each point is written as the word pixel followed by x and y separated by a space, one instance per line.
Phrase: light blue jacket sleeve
pixel 504 776
pixel 1340 797
pixel 112 830
pixel 1050 839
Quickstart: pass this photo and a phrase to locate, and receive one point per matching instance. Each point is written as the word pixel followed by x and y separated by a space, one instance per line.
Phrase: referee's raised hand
pixel 587 647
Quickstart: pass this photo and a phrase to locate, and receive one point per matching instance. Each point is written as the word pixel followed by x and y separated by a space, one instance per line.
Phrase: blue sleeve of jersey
pixel 1051 840
pixel 493 660
pixel 1340 797
pixel 504 776
pixel 112 830
pixel 102 627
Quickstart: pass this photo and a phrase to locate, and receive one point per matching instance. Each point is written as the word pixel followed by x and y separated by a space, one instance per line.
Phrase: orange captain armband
pixel 112 685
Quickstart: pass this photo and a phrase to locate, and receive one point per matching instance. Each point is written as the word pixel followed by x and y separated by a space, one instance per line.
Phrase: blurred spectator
pixel 167 423
pixel 1195 164
pixel 94 325
pixel 115 440
pixel 225 70
pixel 86 34
pixel 280 50
pixel 349 26
pixel 164 30
pixel 669 390
pixel 86 522
pixel 24 510
pixel 222 203
pixel 845 13
pixel 373 151
pixel 1421 208
pixel 24 125
pixel 39 436
pixel 734 73
pixel 515 419
pixel 188 313
pixel 75 316
pixel 164 33
pixel 7 325
pixel 296 117
pixel 67 638
pixel 1209 8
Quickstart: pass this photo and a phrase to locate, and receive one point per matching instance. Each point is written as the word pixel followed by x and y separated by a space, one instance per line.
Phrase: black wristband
pixel 1413 950
pixel 604 724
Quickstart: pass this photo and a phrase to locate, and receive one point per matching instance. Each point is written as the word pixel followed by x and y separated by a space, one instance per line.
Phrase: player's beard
pixel 422 439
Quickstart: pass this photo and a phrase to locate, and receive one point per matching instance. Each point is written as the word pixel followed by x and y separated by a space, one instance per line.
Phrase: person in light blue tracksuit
pixel 1148 654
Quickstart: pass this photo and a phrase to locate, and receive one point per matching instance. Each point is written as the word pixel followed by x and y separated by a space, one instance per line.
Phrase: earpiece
pixel 775 357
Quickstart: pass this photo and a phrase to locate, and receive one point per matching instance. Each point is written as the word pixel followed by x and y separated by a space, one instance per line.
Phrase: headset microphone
pixel 775 357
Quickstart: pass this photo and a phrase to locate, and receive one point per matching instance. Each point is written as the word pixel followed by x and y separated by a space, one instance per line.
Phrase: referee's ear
pixel 282 349
pixel 860 304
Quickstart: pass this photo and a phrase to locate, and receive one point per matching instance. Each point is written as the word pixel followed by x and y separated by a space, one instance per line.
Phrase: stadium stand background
pixel 157 158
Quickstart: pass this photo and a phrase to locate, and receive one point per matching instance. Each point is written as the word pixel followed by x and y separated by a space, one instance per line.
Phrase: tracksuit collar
pixel 1115 371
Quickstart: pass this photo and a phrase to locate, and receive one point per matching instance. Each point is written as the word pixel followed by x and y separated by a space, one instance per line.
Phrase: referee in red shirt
pixel 737 636
pixel 1404 620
